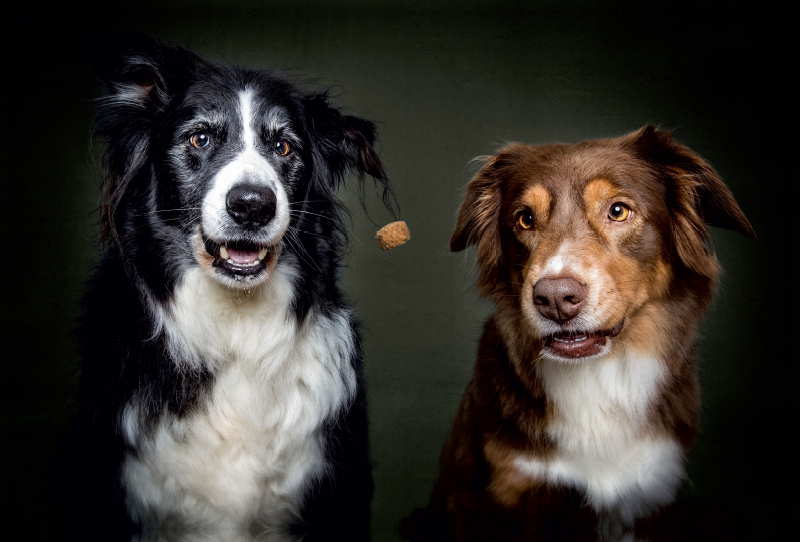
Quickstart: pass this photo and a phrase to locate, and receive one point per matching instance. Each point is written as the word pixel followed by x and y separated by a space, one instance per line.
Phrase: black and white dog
pixel 222 393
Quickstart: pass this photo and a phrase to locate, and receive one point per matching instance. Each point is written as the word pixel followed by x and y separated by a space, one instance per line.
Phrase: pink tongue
pixel 242 256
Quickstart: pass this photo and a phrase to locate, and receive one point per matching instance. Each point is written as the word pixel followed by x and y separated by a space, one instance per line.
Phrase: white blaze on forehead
pixel 247 166
pixel 245 107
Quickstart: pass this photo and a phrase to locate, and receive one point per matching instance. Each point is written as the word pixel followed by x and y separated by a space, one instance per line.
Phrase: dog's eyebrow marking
pixel 596 193
pixel 211 117
pixel 203 120
pixel 538 198
pixel 277 119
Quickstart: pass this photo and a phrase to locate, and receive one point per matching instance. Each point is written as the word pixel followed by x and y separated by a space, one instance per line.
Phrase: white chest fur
pixel 247 455
pixel 603 443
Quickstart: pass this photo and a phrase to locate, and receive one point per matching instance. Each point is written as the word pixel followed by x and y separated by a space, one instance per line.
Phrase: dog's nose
pixel 559 299
pixel 251 205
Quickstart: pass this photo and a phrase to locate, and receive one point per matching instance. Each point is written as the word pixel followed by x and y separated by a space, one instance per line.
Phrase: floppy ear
pixel 141 76
pixel 695 194
pixel 347 144
pixel 139 71
pixel 479 222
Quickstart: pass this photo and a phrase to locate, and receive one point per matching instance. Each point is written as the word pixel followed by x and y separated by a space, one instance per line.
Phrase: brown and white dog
pixel 584 398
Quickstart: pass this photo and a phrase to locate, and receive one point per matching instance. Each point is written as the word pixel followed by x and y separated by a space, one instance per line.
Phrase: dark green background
pixel 445 82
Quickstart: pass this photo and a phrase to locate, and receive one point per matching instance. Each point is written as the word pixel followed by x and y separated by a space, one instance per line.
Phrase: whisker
pixel 303 202
pixel 155 211
pixel 334 220
pixel 292 240
pixel 311 233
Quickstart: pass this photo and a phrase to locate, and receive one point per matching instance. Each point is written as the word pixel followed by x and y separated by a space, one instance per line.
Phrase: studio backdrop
pixel 444 83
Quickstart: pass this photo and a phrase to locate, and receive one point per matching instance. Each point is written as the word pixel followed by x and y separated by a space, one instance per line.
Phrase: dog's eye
pixel 200 140
pixel 525 220
pixel 282 148
pixel 619 212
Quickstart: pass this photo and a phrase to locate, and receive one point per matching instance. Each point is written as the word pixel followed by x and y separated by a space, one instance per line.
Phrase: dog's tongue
pixel 242 256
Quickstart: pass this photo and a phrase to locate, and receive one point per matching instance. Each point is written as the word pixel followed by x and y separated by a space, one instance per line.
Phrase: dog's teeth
pixel 229 261
pixel 262 254
pixel 571 338
pixel 223 253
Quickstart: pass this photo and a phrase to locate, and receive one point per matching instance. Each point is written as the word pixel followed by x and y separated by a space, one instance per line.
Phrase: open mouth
pixel 580 344
pixel 239 258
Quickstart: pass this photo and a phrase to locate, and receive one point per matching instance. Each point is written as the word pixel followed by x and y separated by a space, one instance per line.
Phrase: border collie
pixel 222 393
pixel 584 398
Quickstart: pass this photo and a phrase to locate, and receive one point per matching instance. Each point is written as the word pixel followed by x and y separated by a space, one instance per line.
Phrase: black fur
pixel 147 214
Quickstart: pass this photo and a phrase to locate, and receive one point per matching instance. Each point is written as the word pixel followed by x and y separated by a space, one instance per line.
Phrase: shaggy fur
pixel 584 398
pixel 221 393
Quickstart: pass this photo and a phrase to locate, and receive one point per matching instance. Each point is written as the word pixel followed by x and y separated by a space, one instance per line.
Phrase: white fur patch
pixel 603 442
pixel 251 167
pixel 556 263
pixel 247 455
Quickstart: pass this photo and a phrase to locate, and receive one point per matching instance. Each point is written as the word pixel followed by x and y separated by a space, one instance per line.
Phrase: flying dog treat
pixel 393 235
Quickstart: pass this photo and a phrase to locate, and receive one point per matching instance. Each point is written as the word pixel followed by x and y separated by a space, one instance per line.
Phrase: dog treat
pixel 393 235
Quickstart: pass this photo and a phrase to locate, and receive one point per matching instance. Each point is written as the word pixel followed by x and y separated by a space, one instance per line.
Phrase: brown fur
pixel 661 275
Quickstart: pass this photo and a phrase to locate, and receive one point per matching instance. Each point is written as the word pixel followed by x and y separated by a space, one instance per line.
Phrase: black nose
pixel 559 299
pixel 251 205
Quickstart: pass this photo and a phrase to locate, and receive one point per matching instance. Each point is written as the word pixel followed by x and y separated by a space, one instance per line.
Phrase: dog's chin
pixel 580 346
pixel 236 264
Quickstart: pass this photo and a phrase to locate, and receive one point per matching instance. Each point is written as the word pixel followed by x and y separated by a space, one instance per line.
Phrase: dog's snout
pixel 559 299
pixel 251 205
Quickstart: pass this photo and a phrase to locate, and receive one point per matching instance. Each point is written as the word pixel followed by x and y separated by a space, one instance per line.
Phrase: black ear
pixel 696 196
pixel 347 144
pixel 140 71
pixel 141 76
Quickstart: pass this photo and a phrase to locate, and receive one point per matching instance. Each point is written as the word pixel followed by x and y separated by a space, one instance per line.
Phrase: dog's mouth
pixel 580 344
pixel 240 259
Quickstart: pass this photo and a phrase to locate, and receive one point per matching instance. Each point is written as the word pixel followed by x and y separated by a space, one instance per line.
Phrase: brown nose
pixel 559 299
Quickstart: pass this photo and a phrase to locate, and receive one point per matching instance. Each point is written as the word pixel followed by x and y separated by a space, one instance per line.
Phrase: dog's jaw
pixel 579 346
pixel 235 268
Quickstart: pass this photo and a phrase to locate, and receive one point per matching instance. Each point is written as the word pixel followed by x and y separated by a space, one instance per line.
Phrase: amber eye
pixel 525 220
pixel 282 148
pixel 619 212
pixel 200 140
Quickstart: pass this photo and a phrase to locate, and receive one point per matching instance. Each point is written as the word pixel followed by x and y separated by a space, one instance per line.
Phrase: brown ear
pixel 696 197
pixel 478 222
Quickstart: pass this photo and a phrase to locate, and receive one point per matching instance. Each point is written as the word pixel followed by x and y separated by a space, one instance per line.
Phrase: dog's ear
pixel 141 76
pixel 139 71
pixel 696 197
pixel 346 144
pixel 478 221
